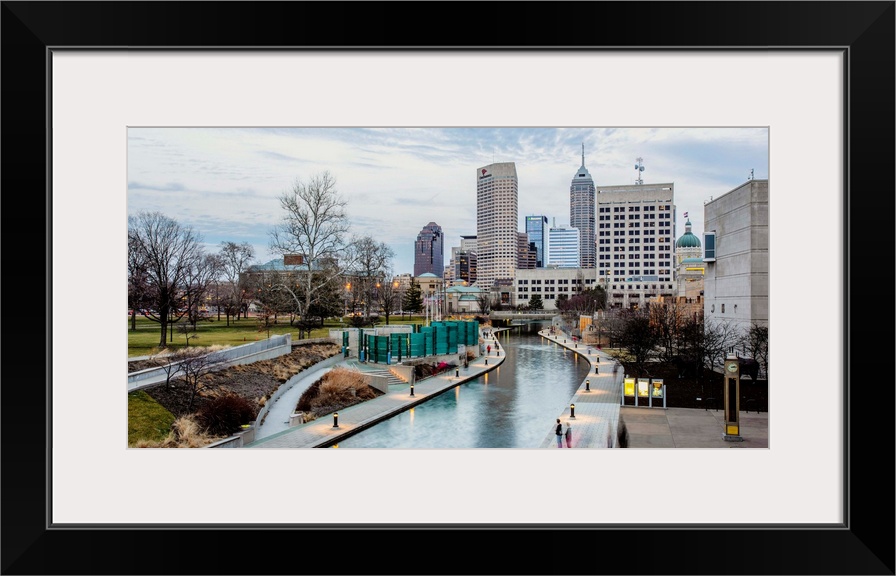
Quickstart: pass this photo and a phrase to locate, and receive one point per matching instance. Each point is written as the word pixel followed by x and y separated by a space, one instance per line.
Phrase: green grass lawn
pixel 145 339
pixel 147 420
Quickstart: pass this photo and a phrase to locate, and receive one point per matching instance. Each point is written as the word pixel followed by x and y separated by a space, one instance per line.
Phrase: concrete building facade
pixel 736 242
pixel 497 190
pixel 635 239
pixel 552 284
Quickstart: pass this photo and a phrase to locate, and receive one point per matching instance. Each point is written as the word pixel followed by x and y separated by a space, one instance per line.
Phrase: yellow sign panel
pixel 629 387
pixel 657 388
pixel 732 429
pixel 643 385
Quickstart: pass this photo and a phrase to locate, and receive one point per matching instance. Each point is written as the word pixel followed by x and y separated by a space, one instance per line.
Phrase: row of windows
pixel 649 208
pixel 638 233
pixel 552 281
pixel 631 241
pixel 549 289
pixel 641 286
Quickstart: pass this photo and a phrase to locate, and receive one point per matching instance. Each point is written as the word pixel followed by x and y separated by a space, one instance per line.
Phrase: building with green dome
pixel 688 246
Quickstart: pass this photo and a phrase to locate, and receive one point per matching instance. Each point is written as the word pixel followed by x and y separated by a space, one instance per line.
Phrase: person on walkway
pixel 559 432
pixel 568 434
pixel 489 349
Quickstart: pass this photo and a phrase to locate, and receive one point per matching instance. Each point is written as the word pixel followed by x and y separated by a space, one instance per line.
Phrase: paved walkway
pixel 597 410
pixel 595 417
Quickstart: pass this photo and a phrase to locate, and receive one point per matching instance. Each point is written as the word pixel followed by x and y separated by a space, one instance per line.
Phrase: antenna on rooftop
pixel 751 173
pixel 640 168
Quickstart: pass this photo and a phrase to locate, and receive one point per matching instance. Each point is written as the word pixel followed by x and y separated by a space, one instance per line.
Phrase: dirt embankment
pixel 256 382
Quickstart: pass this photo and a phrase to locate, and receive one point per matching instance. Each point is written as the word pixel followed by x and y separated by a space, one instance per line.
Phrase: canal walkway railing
pixel 245 354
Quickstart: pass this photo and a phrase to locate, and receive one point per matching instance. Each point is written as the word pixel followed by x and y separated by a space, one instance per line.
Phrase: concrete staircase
pixel 376 370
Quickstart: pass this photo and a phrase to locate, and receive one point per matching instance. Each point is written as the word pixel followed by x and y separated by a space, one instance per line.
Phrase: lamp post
pixel 572 411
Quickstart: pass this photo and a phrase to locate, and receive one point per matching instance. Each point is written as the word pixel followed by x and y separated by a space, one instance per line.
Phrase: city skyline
pixel 225 182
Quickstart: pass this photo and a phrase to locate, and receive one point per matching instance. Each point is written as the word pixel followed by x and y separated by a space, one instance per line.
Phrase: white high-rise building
pixel 563 247
pixel 497 189
pixel 581 212
pixel 636 242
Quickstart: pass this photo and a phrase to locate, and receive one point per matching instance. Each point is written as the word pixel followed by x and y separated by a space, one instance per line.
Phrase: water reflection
pixel 513 406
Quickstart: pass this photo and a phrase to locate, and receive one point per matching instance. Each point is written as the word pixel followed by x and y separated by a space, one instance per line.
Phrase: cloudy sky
pixel 225 182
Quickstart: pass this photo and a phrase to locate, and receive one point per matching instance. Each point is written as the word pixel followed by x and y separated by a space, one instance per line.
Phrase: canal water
pixel 513 406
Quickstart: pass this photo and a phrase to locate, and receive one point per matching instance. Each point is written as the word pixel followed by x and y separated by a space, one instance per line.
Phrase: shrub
pixel 304 404
pixel 185 433
pixel 223 415
pixel 337 389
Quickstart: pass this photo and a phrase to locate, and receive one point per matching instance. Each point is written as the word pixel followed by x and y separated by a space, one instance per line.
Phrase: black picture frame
pixel 863 545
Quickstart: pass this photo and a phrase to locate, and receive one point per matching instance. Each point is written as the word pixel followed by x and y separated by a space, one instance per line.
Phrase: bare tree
pixel 195 367
pixel 667 318
pixel 718 339
pixel 639 338
pixel 188 330
pixel 235 260
pixel 755 343
pixel 169 251
pixel 198 279
pixel 371 262
pixel 314 226
pixel 172 367
pixel 484 300
pixel 138 281
pixel 389 295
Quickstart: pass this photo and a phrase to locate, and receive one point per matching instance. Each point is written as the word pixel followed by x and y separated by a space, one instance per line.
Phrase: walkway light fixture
pixel 587 385
pixel 572 411
pixel 335 419
pixel 412 389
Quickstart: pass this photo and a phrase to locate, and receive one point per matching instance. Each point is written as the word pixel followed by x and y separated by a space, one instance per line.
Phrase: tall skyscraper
pixel 526 253
pixel 563 247
pixel 581 213
pixel 429 251
pixel 496 223
pixel 535 228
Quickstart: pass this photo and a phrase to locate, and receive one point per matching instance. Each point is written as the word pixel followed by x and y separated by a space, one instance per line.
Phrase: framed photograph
pixel 818 75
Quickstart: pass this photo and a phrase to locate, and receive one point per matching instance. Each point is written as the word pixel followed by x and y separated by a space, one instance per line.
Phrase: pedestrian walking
pixel 568 434
pixel 559 432
pixel 489 349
